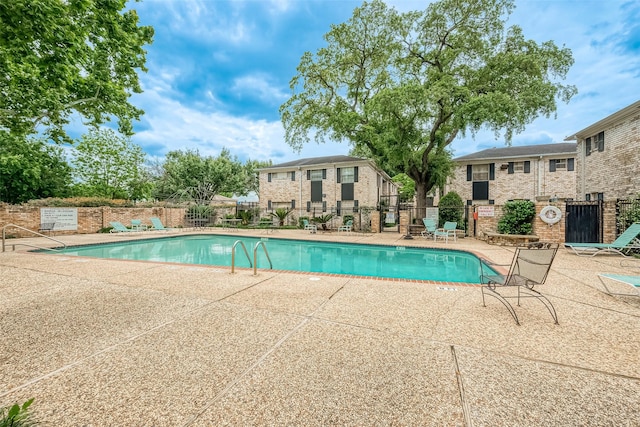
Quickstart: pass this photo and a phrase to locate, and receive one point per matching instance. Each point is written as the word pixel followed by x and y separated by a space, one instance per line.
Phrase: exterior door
pixel 583 222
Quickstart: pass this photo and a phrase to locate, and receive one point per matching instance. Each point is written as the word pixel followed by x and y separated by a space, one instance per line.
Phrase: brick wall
pixel 539 182
pixel 92 219
pixel 614 171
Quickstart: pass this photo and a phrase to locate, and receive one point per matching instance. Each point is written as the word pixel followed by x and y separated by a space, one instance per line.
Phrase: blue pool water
pixel 298 255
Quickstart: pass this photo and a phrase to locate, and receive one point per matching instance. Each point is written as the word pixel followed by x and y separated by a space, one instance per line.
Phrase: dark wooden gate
pixel 583 222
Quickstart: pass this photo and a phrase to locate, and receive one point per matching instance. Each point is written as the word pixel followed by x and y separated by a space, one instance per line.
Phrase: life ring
pixel 550 214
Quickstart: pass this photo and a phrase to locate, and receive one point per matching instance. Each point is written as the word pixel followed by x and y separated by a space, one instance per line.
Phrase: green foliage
pixel 31 169
pixel 111 166
pixel 400 87
pixel 16 415
pixel 451 208
pixel 406 187
pixel 517 217
pixel 281 214
pixel 630 215
pixel 189 173
pixel 247 216
pixel 323 220
pixel 63 57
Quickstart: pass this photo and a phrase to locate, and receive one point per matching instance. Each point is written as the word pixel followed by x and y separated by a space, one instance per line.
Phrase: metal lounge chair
pixel 430 227
pixel 311 228
pixel 529 268
pixel 118 227
pixel 621 246
pixel 447 230
pixel 157 224
pixel 633 281
pixel 346 227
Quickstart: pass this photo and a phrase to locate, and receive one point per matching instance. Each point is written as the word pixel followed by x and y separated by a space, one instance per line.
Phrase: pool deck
pixel 103 343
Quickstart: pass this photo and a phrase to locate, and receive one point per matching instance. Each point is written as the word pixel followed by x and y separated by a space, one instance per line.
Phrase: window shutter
pixel 324 206
pixel 324 174
pixel 587 146
pixel 601 141
pixel 338 177
pixel 308 206
pixel 570 164
pixel 293 203
pixel 510 168
pixel 587 197
pixel 355 206
pixel 293 176
pixel 338 205
pixel 269 177
pixel 492 171
pixel 469 202
pixel 492 202
pixel 355 174
pixel 552 165
pixel 469 172
pixel 269 204
pixel 308 174
pixel 527 166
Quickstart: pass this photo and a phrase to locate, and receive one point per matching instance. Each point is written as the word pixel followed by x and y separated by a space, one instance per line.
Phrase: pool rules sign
pixel 63 218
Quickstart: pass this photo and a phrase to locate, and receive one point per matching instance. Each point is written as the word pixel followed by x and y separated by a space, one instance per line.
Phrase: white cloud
pixel 258 86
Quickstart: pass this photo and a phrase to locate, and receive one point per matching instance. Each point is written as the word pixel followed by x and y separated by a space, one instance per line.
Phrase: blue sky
pixel 220 69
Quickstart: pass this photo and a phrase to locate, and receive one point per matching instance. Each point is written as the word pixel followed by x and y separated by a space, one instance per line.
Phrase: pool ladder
pixel 4 238
pixel 255 256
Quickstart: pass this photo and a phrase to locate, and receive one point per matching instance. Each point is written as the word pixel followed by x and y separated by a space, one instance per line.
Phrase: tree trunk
pixel 421 199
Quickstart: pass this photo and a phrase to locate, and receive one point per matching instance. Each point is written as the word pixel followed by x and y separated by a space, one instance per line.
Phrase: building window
pixel 346 175
pixel 480 173
pixel 599 141
pixel 316 175
pixel 518 167
pixel 561 164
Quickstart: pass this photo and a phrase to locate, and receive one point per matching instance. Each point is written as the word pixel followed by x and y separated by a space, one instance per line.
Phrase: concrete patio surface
pixel 103 343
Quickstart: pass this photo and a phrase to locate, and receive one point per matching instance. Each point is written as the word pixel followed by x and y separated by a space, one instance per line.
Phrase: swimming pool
pixel 396 262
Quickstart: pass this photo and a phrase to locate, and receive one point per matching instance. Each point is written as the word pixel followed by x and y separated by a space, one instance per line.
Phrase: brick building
pixel 608 157
pixel 332 184
pixel 533 172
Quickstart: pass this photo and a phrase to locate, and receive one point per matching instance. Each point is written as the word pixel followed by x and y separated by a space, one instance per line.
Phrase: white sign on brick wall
pixel 486 211
pixel 64 218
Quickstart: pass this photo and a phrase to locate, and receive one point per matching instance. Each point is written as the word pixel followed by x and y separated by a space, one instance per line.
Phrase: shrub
pixel 451 208
pixel 347 218
pixel 517 217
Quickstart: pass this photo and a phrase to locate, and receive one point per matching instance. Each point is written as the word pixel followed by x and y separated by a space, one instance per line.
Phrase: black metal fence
pixel 627 212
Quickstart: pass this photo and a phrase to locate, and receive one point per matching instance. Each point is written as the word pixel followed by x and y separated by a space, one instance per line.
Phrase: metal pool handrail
pixel 255 255
pixel 233 255
pixel 4 231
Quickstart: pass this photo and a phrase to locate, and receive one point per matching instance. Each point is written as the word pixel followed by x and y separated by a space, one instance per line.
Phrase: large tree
pixel 31 169
pixel 59 57
pixel 110 165
pixel 189 174
pixel 400 87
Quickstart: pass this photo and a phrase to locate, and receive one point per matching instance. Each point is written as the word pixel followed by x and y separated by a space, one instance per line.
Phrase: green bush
pixel 451 208
pixel 517 217
pixel 347 218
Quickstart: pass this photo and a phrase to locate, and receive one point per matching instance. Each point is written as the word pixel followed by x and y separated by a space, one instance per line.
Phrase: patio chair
pixel 118 227
pixel 430 227
pixel 346 227
pixel 529 268
pixel 621 246
pixel 156 224
pixel 447 230
pixel 137 225
pixel 312 228
pixel 633 281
